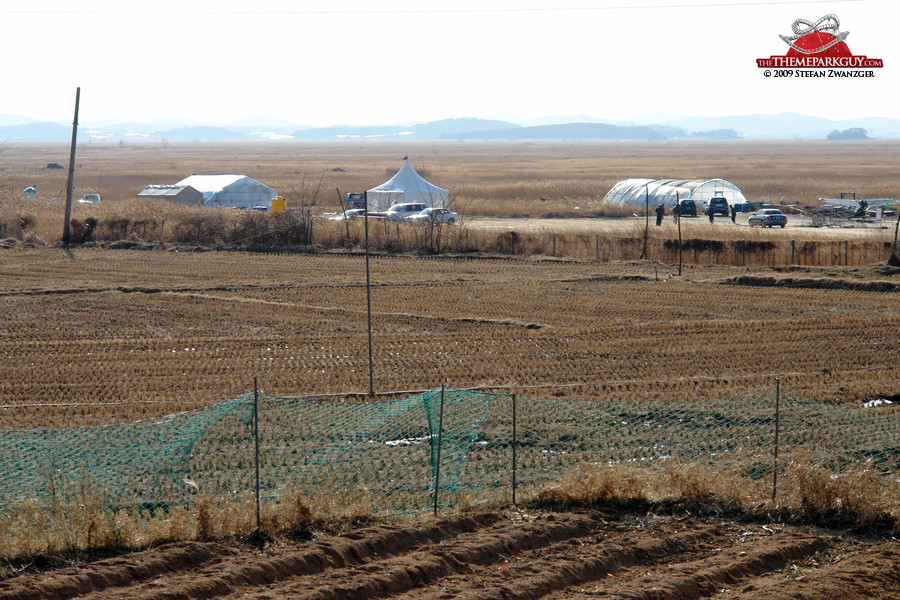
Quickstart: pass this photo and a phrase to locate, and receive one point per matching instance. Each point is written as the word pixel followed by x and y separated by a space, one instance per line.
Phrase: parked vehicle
pixel 90 199
pixel 400 212
pixel 718 206
pixel 768 217
pixel 350 213
pixel 355 200
pixel 435 215
pixel 687 208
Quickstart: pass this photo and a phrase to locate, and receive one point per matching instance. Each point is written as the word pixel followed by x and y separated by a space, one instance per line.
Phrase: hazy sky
pixel 325 62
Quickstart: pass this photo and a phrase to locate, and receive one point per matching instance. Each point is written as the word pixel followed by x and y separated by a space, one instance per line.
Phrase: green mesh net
pixel 393 456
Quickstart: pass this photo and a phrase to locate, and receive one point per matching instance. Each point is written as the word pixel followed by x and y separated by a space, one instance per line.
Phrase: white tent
pixel 230 191
pixel 405 186
pixel 665 191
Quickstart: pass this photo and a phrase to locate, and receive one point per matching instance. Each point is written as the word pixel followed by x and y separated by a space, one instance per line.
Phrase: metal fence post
pixel 514 449
pixel 256 445
pixel 437 467
pixel 777 423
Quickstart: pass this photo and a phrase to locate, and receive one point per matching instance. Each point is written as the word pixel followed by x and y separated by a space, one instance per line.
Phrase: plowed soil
pixel 514 555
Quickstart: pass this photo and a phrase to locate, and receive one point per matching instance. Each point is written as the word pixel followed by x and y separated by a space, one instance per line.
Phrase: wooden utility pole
pixel 344 212
pixel 71 180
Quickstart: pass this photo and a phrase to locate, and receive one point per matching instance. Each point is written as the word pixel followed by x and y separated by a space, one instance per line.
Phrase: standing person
pixel 660 211
pixel 733 213
pixel 711 214
pixel 676 212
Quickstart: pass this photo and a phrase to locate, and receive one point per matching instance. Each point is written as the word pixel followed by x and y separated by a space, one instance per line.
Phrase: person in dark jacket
pixel 660 211
pixel 733 213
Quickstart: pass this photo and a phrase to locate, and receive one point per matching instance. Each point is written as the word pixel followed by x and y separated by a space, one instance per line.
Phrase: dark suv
pixel 687 208
pixel 717 206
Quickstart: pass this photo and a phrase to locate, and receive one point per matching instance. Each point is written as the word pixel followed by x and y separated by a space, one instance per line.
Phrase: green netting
pixel 382 456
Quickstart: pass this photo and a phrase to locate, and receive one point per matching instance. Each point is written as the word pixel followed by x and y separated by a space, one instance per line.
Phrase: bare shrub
pixel 205 228
pixel 82 231
pixel 592 483
pixel 819 491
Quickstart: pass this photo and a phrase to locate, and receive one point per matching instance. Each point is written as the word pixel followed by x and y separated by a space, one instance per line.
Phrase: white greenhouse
pixel 665 191
pixel 230 191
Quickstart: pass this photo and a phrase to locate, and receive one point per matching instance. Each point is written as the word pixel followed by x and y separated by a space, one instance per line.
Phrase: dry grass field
pixel 542 181
pixel 103 335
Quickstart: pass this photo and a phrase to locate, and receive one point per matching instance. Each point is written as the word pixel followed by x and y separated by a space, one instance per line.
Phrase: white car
pixel 400 212
pixel 350 213
pixel 768 217
pixel 90 199
pixel 435 215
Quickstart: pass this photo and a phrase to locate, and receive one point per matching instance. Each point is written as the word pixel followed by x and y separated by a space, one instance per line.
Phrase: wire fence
pixel 439 448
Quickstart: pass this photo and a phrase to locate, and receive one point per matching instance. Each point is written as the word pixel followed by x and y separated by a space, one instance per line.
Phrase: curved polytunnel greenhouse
pixel 665 191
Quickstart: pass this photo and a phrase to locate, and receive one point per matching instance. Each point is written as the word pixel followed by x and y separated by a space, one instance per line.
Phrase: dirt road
pixel 797 226
pixel 513 555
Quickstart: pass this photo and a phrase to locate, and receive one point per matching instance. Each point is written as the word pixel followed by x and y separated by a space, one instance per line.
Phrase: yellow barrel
pixel 278 204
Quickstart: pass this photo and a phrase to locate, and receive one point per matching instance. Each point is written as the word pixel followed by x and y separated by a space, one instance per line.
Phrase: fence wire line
pixel 492 388
pixel 381 455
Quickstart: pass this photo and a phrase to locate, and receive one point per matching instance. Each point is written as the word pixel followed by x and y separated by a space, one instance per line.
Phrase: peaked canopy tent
pixel 406 186
pixel 230 191
pixel 665 192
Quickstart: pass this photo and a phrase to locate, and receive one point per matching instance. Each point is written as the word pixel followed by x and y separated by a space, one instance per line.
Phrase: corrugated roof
pixel 162 190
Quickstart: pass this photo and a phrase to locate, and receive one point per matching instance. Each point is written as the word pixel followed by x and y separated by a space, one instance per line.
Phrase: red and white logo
pixel 818 45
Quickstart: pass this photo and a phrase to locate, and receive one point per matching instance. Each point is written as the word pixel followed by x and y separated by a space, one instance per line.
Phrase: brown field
pixel 497 180
pixel 97 336
pixel 87 330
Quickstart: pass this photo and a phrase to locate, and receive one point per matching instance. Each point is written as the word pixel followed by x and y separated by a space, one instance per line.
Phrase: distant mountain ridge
pixel 778 126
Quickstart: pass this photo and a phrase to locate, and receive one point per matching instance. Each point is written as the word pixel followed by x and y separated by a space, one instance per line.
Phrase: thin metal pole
pixel 437 467
pixel 514 449
pixel 256 445
pixel 895 249
pixel 777 419
pixel 647 219
pixel 71 179
pixel 678 206
pixel 369 298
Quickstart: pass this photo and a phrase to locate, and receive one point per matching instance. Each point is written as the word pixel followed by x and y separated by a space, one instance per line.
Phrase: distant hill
pixel 568 131
pixel 757 126
pixel 446 128
pixel 201 132
pixel 37 132
pixel 716 134
pixel 788 125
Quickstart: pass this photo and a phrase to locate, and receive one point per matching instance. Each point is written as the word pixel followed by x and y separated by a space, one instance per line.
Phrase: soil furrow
pixel 394 575
pixel 709 575
pixel 139 566
pixel 478 553
pixel 538 574
pixel 849 571
pixel 205 574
